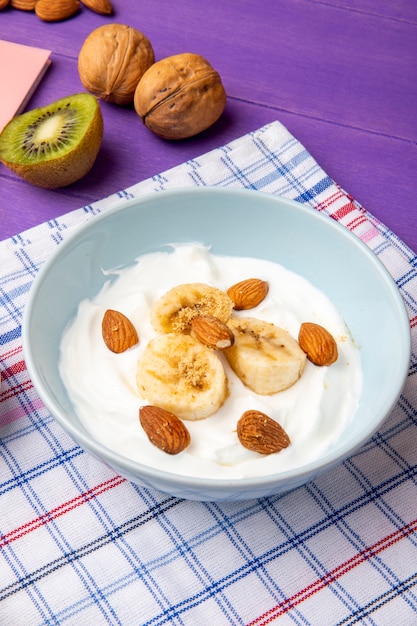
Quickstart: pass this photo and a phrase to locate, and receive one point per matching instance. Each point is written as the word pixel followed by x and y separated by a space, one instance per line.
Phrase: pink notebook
pixel 21 70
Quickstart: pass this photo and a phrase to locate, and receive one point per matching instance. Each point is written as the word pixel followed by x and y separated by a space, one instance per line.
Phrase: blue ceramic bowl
pixel 236 223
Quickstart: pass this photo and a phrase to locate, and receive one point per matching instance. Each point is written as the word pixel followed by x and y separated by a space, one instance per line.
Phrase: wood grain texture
pixel 403 10
pixel 340 74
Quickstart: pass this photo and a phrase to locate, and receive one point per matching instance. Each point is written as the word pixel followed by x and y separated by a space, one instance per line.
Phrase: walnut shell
pixel 180 96
pixel 112 60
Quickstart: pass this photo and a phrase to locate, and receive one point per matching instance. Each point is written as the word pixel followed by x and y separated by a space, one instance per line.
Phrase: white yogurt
pixel 102 385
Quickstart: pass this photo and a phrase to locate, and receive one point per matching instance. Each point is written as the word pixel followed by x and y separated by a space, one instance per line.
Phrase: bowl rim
pixel 152 474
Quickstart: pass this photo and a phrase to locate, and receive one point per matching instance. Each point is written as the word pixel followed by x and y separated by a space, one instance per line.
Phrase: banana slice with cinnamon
pixel 181 375
pixel 176 309
pixel 266 358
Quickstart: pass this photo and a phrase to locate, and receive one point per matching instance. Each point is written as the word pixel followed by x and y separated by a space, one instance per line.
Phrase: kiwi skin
pixel 61 166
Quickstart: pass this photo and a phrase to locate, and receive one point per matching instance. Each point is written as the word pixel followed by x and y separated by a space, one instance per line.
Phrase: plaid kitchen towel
pixel 80 545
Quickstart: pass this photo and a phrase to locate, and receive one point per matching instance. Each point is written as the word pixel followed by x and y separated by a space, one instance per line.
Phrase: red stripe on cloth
pixel 12 392
pixel 413 322
pixel 335 197
pixel 343 211
pixel 60 510
pixel 357 221
pixel 289 603
pixel 12 370
pixel 11 353
pixel 19 412
pixel 8 392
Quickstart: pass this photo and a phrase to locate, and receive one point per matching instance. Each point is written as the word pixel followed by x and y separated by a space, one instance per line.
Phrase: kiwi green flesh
pixel 55 145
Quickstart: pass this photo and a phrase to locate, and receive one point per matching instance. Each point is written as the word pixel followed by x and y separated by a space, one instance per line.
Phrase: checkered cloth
pixel 80 545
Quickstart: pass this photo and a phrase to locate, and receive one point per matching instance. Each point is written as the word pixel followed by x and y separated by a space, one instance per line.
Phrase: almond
pixel 164 429
pixel 23 5
pixel 248 293
pixel 104 7
pixel 118 332
pixel 318 344
pixel 260 433
pixel 56 10
pixel 4 3
pixel 212 332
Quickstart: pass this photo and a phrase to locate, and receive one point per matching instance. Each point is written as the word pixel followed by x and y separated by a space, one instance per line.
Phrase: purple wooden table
pixel 340 74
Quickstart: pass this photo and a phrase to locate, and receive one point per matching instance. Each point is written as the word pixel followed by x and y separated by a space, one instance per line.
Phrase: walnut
pixel 112 60
pixel 180 96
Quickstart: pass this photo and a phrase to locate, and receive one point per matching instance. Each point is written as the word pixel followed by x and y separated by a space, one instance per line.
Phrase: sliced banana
pixel 266 358
pixel 179 374
pixel 176 309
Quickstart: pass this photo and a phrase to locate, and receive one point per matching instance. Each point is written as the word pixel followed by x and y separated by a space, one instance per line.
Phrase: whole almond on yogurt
pixel 118 332
pixel 164 429
pixel 319 345
pixel 103 7
pixel 260 433
pixel 56 10
pixel 212 332
pixel 4 3
pixel 248 293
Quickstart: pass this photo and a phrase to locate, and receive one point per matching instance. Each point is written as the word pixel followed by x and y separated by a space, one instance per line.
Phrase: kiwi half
pixel 54 145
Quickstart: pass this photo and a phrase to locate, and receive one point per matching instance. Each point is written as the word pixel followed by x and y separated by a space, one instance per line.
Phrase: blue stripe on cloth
pixel 10 335
pixel 379 602
pixel 21 477
pixel 107 538
pixel 190 558
pixel 311 559
pixel 17 567
pixel 10 308
pixel 311 532
pixel 310 194
pixel 289 544
pixel 350 533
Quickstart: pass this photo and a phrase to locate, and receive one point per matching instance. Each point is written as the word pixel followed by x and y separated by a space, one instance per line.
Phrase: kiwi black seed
pixel 55 145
